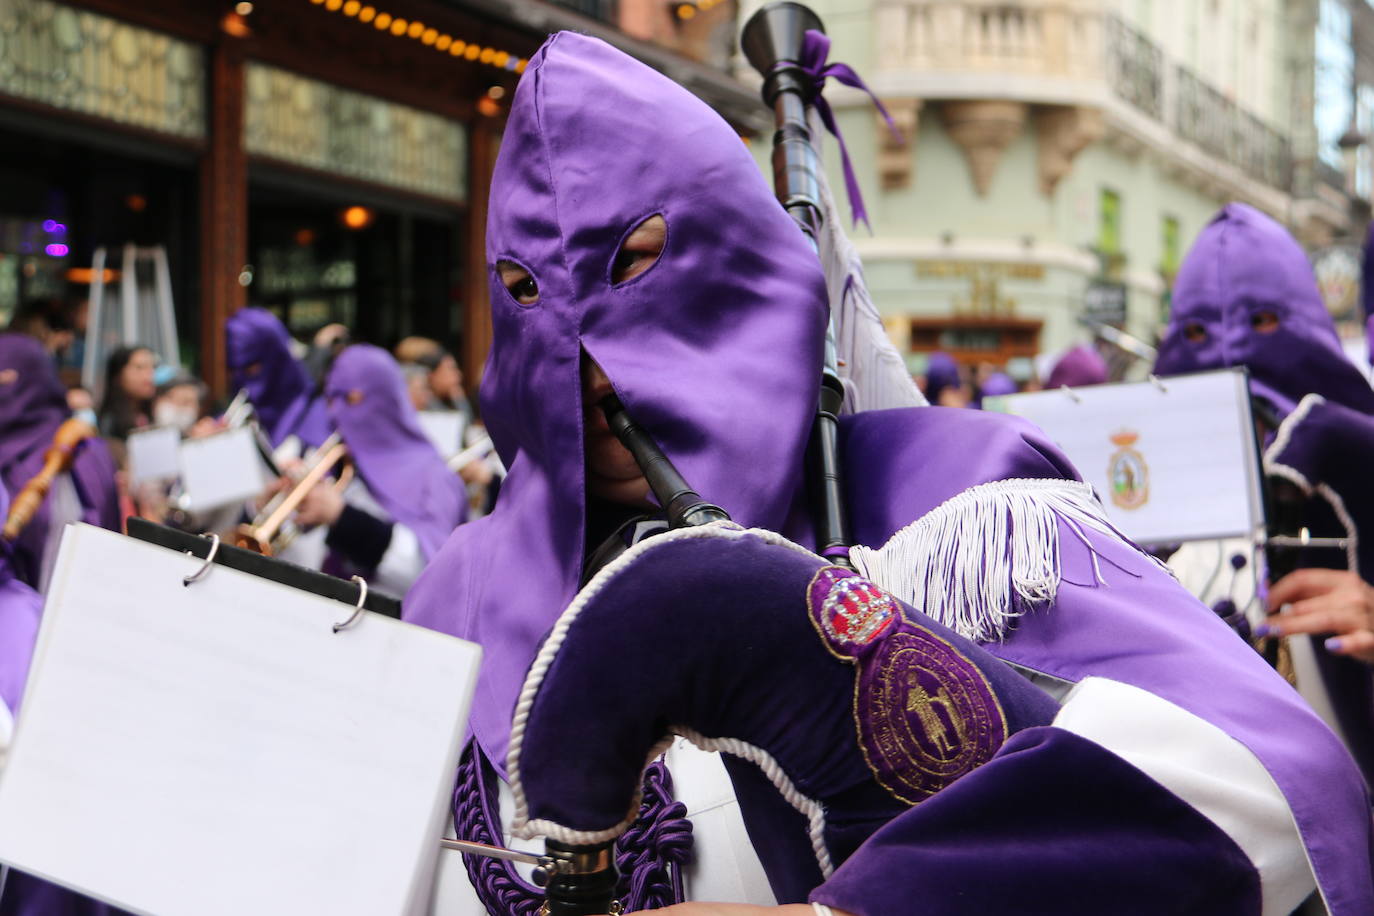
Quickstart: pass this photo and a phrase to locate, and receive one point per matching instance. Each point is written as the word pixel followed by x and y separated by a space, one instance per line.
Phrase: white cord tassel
pixel 967 561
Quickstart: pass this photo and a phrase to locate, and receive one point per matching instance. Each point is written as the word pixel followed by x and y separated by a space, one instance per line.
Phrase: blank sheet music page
pixel 217 749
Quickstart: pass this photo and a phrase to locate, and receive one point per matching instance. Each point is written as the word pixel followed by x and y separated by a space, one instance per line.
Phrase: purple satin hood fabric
pixel 396 459
pixel 715 349
pixel 1079 367
pixel 32 407
pixel 1242 264
pixel 280 391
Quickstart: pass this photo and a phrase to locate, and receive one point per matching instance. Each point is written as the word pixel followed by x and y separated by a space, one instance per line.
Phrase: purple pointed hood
pixel 33 404
pixel 714 349
pixel 32 400
pixel 942 371
pixel 258 350
pixel 1243 267
pixel 396 459
pixel 1077 368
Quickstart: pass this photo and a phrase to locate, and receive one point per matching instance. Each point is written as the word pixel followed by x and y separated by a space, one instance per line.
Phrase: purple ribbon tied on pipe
pixel 815 50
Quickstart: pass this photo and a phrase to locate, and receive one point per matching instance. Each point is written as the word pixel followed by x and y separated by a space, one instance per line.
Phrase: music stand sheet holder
pixel 1173 459
pixel 199 739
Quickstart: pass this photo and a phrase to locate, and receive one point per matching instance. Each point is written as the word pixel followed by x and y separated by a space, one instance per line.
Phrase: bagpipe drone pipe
pixel 841 706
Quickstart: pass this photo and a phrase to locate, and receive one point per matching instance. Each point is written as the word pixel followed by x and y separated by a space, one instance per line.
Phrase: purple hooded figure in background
pixel 1081 366
pixel 943 375
pixel 995 385
pixel 1246 296
pixel 258 349
pixel 396 460
pixel 33 404
pixel 974 530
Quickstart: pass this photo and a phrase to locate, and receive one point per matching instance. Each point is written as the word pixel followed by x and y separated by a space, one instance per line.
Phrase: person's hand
pixel 739 909
pixel 321 506
pixel 476 471
pixel 1324 601
pixel 205 426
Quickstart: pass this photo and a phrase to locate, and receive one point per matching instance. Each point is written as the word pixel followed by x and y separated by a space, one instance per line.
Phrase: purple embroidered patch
pixel 925 713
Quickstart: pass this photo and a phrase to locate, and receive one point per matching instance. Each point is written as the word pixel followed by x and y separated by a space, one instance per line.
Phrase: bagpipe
pixel 56 461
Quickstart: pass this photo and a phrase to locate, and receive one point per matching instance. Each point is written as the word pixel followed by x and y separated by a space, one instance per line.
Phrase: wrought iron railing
pixel 1135 68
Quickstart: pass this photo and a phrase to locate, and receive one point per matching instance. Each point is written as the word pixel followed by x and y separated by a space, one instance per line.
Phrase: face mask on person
pixel 183 418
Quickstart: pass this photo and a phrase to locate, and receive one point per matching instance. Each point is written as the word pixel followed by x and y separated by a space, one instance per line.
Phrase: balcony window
pixel 1109 222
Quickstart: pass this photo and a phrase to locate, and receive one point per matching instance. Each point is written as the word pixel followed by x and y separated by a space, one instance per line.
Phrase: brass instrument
pixel 57 460
pixel 271 530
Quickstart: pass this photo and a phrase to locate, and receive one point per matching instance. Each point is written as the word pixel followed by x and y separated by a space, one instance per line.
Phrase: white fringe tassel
pixel 963 561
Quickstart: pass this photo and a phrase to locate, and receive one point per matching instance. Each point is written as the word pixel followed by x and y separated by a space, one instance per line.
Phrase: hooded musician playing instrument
pixel 403 502
pixel 683 288
pixel 1246 296
pixel 33 407
pixel 258 348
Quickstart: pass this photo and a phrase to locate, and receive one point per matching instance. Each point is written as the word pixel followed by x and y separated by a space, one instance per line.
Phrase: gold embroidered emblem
pixel 1127 472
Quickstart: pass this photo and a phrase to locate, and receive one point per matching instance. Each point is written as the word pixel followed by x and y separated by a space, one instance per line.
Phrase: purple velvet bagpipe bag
pixel 851 704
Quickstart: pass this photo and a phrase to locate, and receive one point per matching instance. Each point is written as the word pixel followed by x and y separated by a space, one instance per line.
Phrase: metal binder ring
pixel 205 567
pixel 1154 380
pixel 1073 395
pixel 357 608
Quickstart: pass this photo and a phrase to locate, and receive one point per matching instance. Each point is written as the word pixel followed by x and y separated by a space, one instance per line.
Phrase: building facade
pixel 328 159
pixel 1057 157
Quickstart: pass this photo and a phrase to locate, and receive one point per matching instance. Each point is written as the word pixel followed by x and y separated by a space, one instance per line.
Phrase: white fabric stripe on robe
pixel 1205 767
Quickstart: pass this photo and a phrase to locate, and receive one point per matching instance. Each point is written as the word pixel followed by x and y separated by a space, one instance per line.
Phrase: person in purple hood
pixel 404 501
pixel 1133 755
pixel 258 348
pixel 33 404
pixel 1246 296
pixel 1080 366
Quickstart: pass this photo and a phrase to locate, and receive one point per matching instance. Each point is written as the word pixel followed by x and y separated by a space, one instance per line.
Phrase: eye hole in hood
pixel 640 250
pixel 519 282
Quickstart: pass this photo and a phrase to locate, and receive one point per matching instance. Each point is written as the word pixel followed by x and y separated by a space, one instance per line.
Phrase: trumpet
pixel 271 530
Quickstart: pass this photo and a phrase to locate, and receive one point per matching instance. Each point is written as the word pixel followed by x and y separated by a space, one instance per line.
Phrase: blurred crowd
pixel 280 392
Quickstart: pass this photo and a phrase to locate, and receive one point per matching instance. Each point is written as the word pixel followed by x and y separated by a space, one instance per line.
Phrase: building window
pixel 1109 222
pixel 1168 262
pixel 80 61
pixel 305 122
pixel 1335 67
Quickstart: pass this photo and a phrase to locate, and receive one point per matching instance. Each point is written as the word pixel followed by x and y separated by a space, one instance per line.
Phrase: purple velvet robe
pixel 33 404
pixel 714 350
pixel 258 349
pixel 397 461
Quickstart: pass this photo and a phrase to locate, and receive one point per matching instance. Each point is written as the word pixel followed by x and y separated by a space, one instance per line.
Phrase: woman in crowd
pixel 129 390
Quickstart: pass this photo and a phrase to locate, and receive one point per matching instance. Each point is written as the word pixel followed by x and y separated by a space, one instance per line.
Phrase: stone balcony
pixel 987 67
